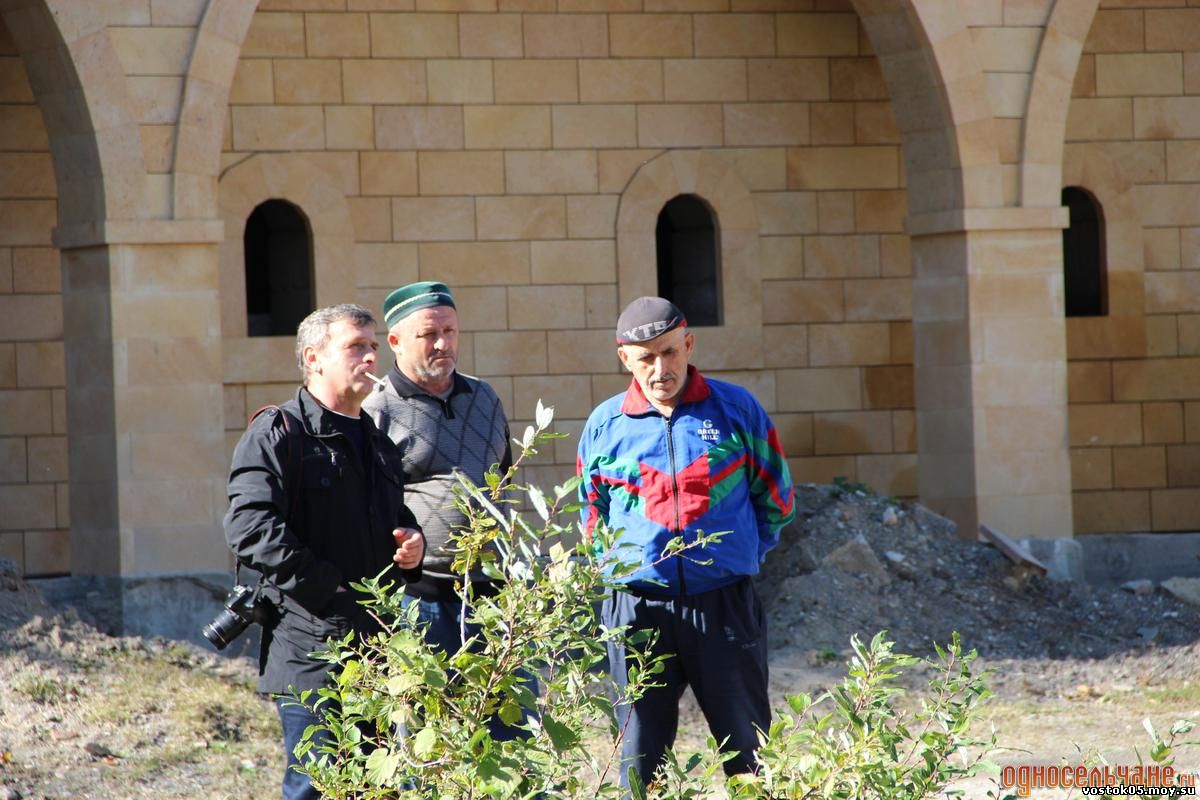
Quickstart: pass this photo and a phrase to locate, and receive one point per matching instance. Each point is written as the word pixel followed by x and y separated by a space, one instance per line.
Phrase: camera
pixel 243 607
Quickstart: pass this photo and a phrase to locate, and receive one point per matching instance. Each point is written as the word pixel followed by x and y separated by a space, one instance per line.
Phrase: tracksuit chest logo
pixel 708 433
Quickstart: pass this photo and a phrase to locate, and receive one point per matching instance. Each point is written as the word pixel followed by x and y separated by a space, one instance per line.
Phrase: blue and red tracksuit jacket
pixel 714 466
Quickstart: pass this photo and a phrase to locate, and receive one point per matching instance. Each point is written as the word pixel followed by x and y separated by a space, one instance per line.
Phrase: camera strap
pixel 295 449
pixel 292 433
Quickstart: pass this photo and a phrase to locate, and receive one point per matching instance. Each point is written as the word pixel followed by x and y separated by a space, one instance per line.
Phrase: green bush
pixel 407 721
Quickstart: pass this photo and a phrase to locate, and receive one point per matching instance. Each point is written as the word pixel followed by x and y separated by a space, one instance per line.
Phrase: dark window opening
pixel 1085 261
pixel 279 269
pixel 689 268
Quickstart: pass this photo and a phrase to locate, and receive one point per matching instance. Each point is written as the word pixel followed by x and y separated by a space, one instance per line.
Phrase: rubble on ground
pixel 856 563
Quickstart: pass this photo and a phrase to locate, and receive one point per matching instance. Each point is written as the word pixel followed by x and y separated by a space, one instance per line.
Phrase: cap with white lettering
pixel 648 318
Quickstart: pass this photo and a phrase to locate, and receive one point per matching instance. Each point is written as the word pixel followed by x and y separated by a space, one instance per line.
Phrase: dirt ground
pixel 1075 670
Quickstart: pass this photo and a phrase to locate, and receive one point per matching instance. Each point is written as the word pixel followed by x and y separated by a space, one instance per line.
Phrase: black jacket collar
pixel 316 417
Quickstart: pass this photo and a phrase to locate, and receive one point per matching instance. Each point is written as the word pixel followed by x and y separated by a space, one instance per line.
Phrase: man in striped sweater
pixel 443 422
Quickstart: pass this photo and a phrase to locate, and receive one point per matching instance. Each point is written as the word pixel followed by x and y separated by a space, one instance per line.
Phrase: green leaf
pixel 497 778
pixel 405 681
pixel 562 736
pixel 423 742
pixel 382 765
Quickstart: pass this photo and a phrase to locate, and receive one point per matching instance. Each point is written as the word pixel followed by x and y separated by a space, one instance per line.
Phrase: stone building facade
pixel 886 178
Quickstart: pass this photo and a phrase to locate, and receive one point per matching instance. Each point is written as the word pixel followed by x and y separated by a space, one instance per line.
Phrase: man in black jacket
pixel 313 518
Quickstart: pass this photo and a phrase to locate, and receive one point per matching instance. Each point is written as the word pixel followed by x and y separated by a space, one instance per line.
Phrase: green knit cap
pixel 413 297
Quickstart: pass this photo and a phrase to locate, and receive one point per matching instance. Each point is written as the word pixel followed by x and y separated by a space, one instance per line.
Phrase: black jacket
pixel 335 530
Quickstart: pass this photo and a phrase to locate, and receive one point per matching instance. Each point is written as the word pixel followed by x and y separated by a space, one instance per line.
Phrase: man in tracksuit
pixel 677 455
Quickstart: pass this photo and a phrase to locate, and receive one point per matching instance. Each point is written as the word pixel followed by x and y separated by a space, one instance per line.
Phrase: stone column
pixel 991 370
pixel 144 398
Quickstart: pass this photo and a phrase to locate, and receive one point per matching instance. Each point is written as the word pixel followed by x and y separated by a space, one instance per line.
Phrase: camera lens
pixel 226 627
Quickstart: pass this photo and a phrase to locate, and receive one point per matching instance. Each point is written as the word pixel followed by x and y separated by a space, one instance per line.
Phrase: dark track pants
pixel 718 645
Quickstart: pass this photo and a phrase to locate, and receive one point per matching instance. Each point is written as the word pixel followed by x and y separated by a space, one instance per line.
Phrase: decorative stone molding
pixel 1045 125
pixel 285 176
pixel 80 86
pixel 1122 332
pixel 205 105
pixel 737 342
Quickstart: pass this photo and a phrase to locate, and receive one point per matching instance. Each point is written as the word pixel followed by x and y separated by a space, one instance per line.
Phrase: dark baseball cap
pixel 648 318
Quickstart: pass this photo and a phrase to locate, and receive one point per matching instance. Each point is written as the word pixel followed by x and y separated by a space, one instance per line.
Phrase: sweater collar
pixel 407 388
pixel 636 404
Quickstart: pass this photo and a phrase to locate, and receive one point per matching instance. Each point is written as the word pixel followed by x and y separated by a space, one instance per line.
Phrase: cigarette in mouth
pixel 379 381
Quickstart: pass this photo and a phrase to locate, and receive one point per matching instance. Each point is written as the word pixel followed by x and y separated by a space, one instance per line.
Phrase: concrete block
pixel 380 80
pixel 824 389
pixel 433 219
pixel 521 217
pixel 1102 119
pixel 349 128
pixel 490 36
pixel 726 35
pixel 27 507
pixel 595 126
pixel 765 124
pixel 601 300
pixel 847 344
pixel 542 307
pixel 574 261
pixel 1063 557
pixel 852 433
pixel 551 172
pixel 803 301
pixel 841 257
pixel 307 81
pixel 818 34
pixel 591 217
pixel 476 264
pixel 508 127
pixel 651 35
pixel 278 128
pixel 505 353
pixel 795 79
pixel 537 81
pixel 578 352
pixel 786 213
pixel 789 346
pixel 616 167
pixel 1111 560
pixel 626 80
pixel 843 168
pixel 464 173
pixel 339 35
pixel 36 270
pixel 419 128
pixel 680 125
pixel 414 35
pixel 1139 74
pixel 704 79
pixel 1116 30
pixel 47 552
pixel 566 36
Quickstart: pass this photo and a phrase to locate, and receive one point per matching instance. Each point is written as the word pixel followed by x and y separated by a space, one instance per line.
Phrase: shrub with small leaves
pixel 405 720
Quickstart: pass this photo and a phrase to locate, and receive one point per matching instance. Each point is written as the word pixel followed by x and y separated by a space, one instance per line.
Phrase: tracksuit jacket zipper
pixel 668 421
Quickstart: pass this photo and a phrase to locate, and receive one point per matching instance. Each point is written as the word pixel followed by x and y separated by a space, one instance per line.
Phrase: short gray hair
pixel 314 329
